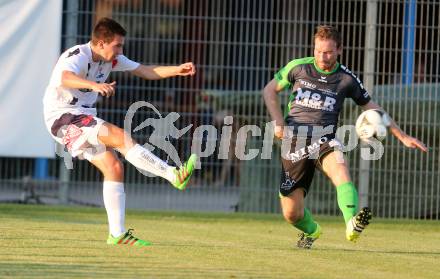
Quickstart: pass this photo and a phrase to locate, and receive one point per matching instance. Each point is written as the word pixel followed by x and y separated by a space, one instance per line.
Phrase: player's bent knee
pixel 114 168
pixel 293 216
pixel 117 168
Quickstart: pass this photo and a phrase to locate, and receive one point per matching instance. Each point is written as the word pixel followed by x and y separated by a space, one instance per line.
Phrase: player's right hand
pixel 105 89
pixel 279 132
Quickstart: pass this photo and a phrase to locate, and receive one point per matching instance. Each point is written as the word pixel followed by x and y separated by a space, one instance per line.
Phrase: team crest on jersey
pixel 323 79
pixel 114 62
pixel 100 73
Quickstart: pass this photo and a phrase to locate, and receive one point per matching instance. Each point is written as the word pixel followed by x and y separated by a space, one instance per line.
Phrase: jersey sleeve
pixel 282 76
pixel 122 64
pixel 74 61
pixel 285 77
pixel 358 92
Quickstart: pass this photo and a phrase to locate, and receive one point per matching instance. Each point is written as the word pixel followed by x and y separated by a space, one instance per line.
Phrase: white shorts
pixel 78 133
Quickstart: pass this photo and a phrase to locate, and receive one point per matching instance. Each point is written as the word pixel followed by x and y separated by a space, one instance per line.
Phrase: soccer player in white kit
pixel 70 116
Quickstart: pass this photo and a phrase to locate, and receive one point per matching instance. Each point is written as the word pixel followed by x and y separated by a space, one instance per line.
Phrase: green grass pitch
pixel 69 242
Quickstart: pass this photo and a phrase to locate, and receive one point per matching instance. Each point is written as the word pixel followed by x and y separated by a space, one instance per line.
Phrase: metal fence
pixel 237 46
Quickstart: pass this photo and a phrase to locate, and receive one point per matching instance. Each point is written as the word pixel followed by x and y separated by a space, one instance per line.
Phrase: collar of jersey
pixel 324 72
pixel 90 54
pixel 89 50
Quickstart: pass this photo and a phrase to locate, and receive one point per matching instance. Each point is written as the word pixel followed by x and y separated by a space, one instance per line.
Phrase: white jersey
pixel 59 100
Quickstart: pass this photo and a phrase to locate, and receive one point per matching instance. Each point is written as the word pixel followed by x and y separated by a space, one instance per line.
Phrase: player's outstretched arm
pixel 406 139
pixel 160 72
pixel 71 80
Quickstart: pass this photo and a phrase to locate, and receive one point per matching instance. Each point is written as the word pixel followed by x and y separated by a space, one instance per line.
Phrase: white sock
pixel 114 202
pixel 143 159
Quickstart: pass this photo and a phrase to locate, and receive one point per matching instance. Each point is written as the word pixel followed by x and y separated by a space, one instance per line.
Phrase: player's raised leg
pixel 115 137
pixel 301 218
pixel 335 167
pixel 114 198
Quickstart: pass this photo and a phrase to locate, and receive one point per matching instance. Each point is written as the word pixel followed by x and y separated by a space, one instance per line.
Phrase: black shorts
pixel 298 166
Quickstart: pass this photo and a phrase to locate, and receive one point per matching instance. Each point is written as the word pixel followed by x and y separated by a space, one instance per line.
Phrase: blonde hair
pixel 328 32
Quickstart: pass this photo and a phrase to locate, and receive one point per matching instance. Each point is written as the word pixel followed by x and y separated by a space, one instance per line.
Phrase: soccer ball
pixel 372 123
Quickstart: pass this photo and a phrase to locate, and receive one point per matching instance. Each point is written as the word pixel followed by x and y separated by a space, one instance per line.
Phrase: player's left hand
pixel 411 142
pixel 186 69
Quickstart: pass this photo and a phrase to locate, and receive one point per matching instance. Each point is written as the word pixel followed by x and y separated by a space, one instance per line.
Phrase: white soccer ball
pixel 372 123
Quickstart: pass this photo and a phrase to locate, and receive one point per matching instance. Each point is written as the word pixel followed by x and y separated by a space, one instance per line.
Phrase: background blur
pixel 237 46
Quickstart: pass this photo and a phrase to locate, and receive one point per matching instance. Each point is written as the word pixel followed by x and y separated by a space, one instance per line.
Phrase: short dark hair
pixel 106 29
pixel 328 32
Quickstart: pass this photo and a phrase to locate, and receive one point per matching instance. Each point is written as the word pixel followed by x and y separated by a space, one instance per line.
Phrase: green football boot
pixel 127 238
pixel 357 224
pixel 306 240
pixel 184 173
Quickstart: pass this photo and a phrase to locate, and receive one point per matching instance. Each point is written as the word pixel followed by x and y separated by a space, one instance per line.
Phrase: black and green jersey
pixel 317 96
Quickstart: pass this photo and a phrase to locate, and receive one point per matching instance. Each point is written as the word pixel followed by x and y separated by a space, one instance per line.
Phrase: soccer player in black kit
pixel 319 86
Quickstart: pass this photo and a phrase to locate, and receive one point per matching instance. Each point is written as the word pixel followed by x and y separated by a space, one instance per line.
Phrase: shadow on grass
pixel 378 251
pixel 293 248
pixel 92 270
